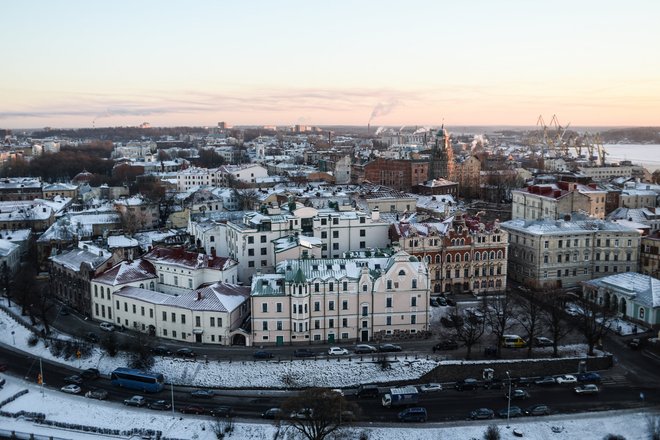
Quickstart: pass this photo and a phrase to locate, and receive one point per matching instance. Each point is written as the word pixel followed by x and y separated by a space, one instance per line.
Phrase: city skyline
pixel 81 64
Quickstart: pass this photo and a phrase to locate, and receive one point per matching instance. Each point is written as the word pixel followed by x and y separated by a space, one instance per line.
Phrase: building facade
pixel 345 300
pixel 562 254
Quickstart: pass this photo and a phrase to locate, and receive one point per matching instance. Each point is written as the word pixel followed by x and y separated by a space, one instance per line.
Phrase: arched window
pixel 492 255
pixel 437 258
pixel 466 257
pixel 490 283
pixel 484 256
pixel 453 242
pixel 458 258
pixel 483 284
pixel 448 259
pixel 475 285
pixel 498 284
pixel 414 284
pixel 402 273
pixel 428 259
pixel 462 241
pixel 152 286
pixel 141 285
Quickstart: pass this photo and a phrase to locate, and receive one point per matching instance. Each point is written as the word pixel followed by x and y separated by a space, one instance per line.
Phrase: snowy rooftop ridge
pixel 127 272
pixel 643 288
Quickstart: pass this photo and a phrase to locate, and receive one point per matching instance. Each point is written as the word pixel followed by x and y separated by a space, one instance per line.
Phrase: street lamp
pixel 13 337
pixel 508 408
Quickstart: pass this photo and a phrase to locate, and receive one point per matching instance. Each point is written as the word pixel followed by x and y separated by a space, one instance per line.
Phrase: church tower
pixel 442 157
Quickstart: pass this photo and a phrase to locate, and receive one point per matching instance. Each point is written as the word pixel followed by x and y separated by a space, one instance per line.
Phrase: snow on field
pixel 74 409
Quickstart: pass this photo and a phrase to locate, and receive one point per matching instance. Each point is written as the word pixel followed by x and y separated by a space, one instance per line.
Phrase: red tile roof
pixel 191 260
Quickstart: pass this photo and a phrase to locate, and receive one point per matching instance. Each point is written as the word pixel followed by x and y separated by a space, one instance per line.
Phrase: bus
pixel 144 381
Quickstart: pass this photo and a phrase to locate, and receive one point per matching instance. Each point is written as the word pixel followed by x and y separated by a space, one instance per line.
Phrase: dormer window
pixel 402 273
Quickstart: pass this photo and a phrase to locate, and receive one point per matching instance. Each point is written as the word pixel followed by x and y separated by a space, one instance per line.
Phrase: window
pixel 413 319
pixel 279 325
pixel 388 302
pixel 344 286
pixel 317 324
pixel 365 288
pixel 344 305
pixel 331 305
pixel 264 325
pixel 174 333
pixel 142 311
pixel 250 252
pixel 335 246
pixel 263 239
pixel 344 322
pixel 317 306
pixel 413 301
pixel 250 263
pixel 335 234
pixel 331 323
pixel 363 233
pixel 264 251
pixel 212 321
pixel 173 317
pixel 388 320
pixel 151 313
pixel 190 286
pixel 365 310
pixel 264 307
pixel 164 316
pixel 331 287
pixel 250 240
pixel 335 221
pixel 176 280
pixel 324 234
pixel 389 284
pixel 134 309
pixel 279 307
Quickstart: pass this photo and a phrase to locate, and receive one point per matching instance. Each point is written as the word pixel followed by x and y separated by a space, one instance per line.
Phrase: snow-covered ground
pixel 74 409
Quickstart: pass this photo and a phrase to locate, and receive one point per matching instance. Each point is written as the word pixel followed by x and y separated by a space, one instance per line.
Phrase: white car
pixel 337 351
pixel 566 378
pixel 430 387
pixel 71 389
pixel 106 326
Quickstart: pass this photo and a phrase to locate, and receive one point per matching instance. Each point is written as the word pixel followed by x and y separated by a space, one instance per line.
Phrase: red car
pixel 193 409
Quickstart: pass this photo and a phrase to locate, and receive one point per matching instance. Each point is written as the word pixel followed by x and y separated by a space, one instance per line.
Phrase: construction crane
pixel 598 143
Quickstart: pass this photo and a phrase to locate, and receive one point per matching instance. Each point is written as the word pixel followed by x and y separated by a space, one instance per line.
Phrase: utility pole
pixel 508 408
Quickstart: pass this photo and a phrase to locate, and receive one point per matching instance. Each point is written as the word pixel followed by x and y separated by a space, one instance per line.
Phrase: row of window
pixel 304 326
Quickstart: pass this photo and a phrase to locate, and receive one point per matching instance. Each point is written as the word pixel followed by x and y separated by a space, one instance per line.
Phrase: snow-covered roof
pixel 7 247
pixel 127 272
pixel 73 259
pixel 643 289
pixel 191 260
pixel 217 297
pixel 561 227
pixel 121 241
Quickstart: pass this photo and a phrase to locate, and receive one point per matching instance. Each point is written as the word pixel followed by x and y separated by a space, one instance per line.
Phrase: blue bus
pixel 144 381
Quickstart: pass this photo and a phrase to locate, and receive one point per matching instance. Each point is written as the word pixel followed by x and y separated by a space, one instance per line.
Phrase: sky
pixel 86 63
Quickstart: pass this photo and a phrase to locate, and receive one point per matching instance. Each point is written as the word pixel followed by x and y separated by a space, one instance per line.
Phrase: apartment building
pixel 650 255
pixel 563 253
pixel 555 200
pixel 345 300
pixel 462 254
pixel 247 174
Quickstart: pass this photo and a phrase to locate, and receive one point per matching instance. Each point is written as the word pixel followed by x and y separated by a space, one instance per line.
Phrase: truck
pixel 400 397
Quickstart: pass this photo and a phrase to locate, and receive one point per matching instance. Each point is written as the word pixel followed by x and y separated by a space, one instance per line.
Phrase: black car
pixel 160 405
pixel 449 344
pixel 538 410
pixel 272 413
pixel 97 393
pixel 193 409
pixel 588 377
pixel 522 381
pixel 388 348
pixel 161 350
pixel 90 374
pixel 75 379
pixel 517 394
pixel 262 354
pixel 482 414
pixel 368 391
pixel 304 352
pixel 203 394
pixel 513 411
pixel 92 337
pixel 221 411
pixel 186 352
pixel 467 384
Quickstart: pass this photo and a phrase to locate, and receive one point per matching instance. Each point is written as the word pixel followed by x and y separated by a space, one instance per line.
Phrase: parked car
pixel 71 389
pixel 467 384
pixel 542 341
pixel 490 351
pixel 589 377
pixel 272 413
pixel 221 411
pixel 302 414
pixel 368 391
pixel 522 381
pixel 389 348
pixel 635 343
pixel 92 337
pixel 364 349
pixel 545 380
pixel 538 410
pixel 202 394
pixel 90 374
pixel 193 409
pixel 337 351
pixel 160 405
pixel 74 379
pixel 97 393
pixel 482 414
pixel 186 352
pixel 566 379
pixel 304 352
pixel 262 354
pixel 513 411
pixel 586 389
pixel 135 401
pixel 449 344
pixel 517 394
pixel 107 327
pixel 161 350
pixel 414 414
pixel 430 387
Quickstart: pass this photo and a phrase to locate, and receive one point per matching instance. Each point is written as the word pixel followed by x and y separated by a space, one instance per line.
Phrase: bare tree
pixel 529 316
pixel 497 311
pixel 593 319
pixel 317 413
pixel 554 317
pixel 468 330
pixel 248 199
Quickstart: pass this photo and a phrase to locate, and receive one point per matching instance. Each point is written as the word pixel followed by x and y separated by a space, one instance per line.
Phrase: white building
pixel 344 300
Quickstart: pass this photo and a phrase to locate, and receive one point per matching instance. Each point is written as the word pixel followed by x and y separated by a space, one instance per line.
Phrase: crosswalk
pixel 613 379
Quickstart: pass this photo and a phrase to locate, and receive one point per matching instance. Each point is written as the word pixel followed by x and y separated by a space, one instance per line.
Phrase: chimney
pixel 199 296
pixel 375 214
